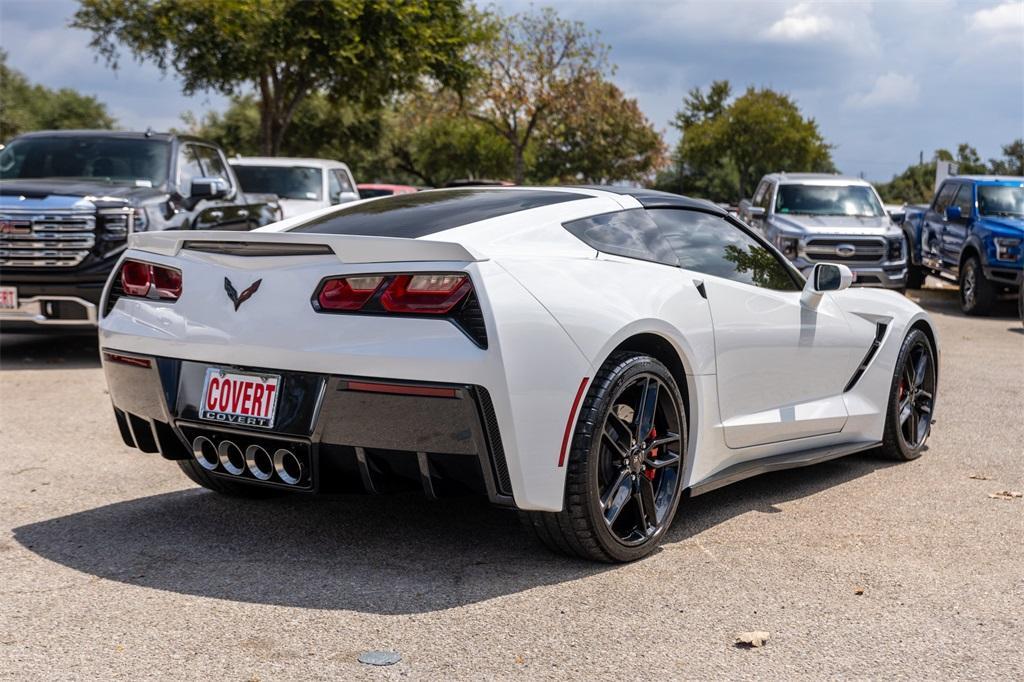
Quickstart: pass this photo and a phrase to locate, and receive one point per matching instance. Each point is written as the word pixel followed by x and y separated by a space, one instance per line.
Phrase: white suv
pixel 815 217
pixel 302 185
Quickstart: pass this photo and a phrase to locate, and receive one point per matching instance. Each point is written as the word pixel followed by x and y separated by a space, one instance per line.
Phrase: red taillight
pixel 420 294
pixel 348 293
pixel 138 278
pixel 425 294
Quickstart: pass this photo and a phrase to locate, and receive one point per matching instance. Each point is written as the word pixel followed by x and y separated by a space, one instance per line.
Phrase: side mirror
pixel 208 188
pixel 953 213
pixel 826 277
pixel 756 211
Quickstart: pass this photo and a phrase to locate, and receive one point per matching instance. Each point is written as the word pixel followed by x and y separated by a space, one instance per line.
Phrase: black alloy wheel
pixel 626 465
pixel 912 399
pixel 977 295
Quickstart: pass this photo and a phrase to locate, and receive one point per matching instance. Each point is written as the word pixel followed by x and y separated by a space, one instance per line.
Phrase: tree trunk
pixel 520 154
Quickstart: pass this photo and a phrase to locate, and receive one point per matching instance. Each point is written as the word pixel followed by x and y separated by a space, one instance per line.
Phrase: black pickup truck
pixel 70 199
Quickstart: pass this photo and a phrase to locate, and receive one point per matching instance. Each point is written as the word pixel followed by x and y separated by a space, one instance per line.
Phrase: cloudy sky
pixel 884 80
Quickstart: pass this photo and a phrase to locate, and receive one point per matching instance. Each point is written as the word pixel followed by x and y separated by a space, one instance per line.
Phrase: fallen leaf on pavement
pixel 755 639
pixel 858 590
pixel 980 477
pixel 1005 495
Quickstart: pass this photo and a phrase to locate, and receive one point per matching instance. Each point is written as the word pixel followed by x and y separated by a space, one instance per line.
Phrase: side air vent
pixel 869 356
pixel 490 423
pixel 470 318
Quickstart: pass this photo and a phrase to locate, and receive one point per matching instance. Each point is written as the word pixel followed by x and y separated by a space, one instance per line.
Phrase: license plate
pixel 239 399
pixel 8 298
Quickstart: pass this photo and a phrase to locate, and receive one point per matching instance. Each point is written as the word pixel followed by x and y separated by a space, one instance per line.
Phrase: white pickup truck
pixel 301 185
pixel 813 217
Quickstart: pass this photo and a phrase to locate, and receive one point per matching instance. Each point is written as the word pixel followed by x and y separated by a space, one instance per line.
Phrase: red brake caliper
pixel 649 473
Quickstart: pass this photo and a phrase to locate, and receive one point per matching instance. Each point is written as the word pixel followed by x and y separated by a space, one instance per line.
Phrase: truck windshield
pixel 117 160
pixel 287 182
pixel 838 200
pixel 1001 200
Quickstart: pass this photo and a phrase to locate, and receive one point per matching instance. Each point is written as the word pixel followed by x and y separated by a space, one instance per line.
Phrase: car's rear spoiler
pixel 348 248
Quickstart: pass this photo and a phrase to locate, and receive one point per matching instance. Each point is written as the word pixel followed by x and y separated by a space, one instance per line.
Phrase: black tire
pixel 914 383
pixel 219 484
pixel 977 295
pixel 916 276
pixel 600 464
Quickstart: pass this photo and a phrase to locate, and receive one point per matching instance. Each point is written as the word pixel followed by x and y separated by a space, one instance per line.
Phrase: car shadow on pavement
pixel 385 555
pixel 946 301
pixel 23 351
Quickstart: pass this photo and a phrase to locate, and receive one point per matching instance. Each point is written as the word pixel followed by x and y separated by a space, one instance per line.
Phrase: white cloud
pixel 1002 22
pixel 800 23
pixel 890 89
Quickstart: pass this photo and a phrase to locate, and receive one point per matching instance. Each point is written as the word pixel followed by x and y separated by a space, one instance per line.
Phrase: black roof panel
pixel 652 198
pixel 423 213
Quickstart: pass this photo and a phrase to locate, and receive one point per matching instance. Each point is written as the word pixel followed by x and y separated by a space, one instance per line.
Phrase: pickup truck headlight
pixel 788 246
pixel 896 249
pixel 1007 248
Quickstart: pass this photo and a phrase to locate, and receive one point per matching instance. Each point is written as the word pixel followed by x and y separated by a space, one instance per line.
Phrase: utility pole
pixel 920 158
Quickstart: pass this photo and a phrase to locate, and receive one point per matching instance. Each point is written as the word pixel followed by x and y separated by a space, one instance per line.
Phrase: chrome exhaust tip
pixel 231 457
pixel 205 452
pixel 287 466
pixel 259 462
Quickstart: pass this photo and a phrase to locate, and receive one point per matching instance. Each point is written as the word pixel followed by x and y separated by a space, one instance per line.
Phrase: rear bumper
pixel 353 434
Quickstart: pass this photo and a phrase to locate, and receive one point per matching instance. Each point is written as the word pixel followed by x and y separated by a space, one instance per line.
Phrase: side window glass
pixel 333 187
pixel 188 167
pixel 629 233
pixel 711 245
pixel 341 177
pixel 945 197
pixel 965 200
pixel 759 194
pixel 213 165
pixel 766 198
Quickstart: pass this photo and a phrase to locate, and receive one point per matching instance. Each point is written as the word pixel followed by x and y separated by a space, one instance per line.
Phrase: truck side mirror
pixel 755 211
pixel 826 277
pixel 208 188
pixel 953 213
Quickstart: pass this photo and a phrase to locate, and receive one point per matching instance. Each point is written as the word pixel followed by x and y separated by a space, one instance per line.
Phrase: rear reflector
pixel 127 359
pixel 402 389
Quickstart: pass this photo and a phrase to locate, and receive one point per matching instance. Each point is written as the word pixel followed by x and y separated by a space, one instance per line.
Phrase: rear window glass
pixel 631 233
pixel 423 213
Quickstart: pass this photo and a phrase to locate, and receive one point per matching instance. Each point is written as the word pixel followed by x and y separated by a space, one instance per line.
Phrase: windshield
pixel 838 200
pixel 287 182
pixel 139 162
pixel 1001 200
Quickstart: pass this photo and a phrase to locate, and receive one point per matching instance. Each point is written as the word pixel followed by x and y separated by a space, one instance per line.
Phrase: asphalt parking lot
pixel 112 564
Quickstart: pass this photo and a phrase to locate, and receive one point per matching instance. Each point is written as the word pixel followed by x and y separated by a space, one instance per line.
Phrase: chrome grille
pixel 836 249
pixel 45 239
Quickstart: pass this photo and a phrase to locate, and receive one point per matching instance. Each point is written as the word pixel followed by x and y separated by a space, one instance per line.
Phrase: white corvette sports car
pixel 588 356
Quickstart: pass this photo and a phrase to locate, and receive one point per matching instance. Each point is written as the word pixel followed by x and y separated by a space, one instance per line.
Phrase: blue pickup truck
pixel 971 234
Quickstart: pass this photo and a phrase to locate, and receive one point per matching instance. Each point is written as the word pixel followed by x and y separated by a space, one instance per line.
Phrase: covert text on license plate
pixel 238 398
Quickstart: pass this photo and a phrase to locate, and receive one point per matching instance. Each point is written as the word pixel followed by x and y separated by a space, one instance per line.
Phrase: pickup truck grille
pixel 37 239
pixel 838 249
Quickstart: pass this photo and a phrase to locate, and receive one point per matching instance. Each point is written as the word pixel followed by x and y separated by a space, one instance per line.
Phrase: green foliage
pixel 356 51
pixel 25 107
pixel 761 264
pixel 916 184
pixel 599 136
pixel 727 146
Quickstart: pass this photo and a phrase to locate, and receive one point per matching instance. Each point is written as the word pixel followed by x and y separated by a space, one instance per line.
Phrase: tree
pixel 599 136
pixel 533 65
pixel 25 107
pixel 727 147
pixel 356 51
pixel 916 184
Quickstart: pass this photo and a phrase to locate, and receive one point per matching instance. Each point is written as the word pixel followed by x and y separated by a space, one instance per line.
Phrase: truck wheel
pixel 977 295
pixel 915 276
pixel 223 486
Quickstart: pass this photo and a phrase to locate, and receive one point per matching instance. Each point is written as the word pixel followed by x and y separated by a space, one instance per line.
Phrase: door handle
pixel 216 215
